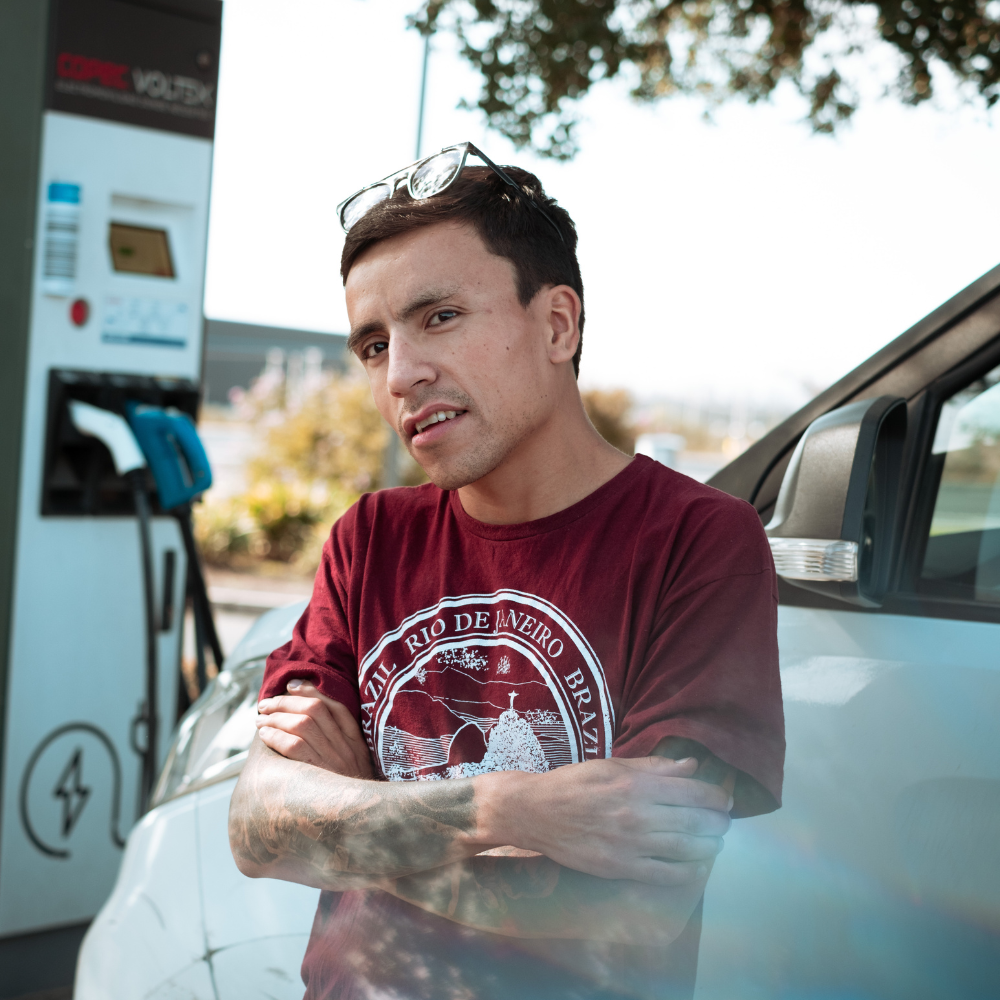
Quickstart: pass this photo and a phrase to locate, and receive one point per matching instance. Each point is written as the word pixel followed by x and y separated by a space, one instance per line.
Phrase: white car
pixel 880 875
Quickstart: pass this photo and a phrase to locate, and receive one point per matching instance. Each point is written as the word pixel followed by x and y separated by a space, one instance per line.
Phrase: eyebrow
pixel 357 335
pixel 428 298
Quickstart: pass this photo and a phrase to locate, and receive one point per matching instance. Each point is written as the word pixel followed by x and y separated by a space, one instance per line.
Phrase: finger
pixel 304 728
pixel 662 766
pixel 687 792
pixel 289 703
pixel 287 745
pixel 682 847
pixel 341 714
pixel 344 718
pixel 666 873
pixel 684 819
pixel 729 781
pixel 316 709
pixel 351 733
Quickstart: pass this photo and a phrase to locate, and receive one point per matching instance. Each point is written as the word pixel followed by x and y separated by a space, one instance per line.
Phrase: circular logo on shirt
pixel 484 682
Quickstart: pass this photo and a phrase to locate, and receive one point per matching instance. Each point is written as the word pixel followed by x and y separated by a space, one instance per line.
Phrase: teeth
pixel 435 418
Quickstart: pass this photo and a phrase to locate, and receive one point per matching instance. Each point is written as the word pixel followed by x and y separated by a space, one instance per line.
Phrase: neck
pixel 556 466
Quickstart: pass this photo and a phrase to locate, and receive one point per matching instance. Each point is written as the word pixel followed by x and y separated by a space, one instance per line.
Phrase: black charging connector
pixel 204 621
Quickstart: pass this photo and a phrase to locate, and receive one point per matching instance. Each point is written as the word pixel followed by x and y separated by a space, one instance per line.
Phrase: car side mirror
pixel 832 529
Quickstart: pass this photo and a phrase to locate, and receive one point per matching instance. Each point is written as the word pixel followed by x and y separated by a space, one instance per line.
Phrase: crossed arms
pixel 611 850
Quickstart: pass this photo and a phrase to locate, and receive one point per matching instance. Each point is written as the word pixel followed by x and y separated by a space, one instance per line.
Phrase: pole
pixel 423 94
pixel 390 463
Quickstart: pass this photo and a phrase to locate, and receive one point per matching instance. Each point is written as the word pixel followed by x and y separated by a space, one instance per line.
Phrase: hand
pixel 306 726
pixel 644 819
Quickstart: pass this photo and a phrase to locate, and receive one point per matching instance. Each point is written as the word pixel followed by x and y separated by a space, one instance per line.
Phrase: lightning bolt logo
pixel 72 791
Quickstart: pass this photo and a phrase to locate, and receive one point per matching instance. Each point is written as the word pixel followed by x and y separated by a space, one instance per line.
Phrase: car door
pixel 880 875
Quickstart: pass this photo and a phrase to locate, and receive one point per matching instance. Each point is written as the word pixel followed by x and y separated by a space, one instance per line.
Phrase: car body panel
pixel 878 877
pixel 182 920
pixel 150 930
pixel 238 909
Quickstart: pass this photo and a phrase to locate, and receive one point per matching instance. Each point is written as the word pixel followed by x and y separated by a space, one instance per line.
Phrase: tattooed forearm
pixel 537 898
pixel 534 897
pixel 301 823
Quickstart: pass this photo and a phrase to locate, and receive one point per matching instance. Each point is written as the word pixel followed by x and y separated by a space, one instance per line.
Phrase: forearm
pixel 537 898
pixel 301 823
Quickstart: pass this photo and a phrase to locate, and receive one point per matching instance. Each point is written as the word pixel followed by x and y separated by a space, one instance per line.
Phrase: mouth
pixel 434 424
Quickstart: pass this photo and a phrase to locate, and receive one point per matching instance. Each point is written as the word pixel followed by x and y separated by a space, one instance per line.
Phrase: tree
pixel 538 57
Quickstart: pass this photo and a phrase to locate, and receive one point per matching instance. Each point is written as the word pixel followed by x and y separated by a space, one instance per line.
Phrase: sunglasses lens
pixel 362 202
pixel 435 174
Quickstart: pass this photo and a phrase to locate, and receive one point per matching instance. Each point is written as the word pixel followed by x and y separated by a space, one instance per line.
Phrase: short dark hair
pixel 507 223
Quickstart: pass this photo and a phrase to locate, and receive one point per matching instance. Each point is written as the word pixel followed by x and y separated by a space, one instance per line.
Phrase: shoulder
pixel 701 522
pixel 392 510
pixel 386 518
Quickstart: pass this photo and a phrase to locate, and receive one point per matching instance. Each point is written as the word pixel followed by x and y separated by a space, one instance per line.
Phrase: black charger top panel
pixel 153 63
pixel 79 477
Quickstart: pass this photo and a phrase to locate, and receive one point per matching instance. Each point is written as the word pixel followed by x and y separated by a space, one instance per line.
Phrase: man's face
pixel 457 365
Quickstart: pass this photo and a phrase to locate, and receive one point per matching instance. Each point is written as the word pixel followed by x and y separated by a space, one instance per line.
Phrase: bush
pixel 333 440
pixel 224 530
pixel 319 452
pixel 284 519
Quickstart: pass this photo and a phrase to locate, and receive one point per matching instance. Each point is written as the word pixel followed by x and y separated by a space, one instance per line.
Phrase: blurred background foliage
pixel 610 412
pixel 537 58
pixel 319 448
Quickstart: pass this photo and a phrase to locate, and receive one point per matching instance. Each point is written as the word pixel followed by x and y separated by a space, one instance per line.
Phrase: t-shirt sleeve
pixel 710 673
pixel 321 650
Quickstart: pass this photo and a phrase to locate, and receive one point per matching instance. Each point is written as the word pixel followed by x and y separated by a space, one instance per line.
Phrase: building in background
pixel 236 353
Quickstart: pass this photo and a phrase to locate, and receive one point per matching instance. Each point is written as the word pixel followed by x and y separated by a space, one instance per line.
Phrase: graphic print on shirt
pixel 484 682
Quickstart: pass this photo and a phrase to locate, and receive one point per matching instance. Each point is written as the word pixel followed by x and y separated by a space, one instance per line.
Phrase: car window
pixel 962 556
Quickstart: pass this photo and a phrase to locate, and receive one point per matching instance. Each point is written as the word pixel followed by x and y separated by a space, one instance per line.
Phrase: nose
pixel 407 368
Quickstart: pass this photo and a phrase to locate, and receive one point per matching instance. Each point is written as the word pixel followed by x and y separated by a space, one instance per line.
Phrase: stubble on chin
pixel 475 462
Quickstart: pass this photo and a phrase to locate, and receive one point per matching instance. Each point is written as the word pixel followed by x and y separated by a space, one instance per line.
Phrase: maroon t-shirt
pixel 646 610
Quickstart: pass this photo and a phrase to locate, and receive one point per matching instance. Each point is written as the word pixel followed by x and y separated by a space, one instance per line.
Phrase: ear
pixel 562 307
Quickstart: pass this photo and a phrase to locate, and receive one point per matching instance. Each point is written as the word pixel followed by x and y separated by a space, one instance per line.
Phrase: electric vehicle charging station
pixel 104 191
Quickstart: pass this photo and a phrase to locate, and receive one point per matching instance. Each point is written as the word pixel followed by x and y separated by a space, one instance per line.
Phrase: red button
pixel 79 312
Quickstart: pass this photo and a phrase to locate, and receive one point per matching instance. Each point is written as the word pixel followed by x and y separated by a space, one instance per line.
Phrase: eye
pixel 371 350
pixel 442 316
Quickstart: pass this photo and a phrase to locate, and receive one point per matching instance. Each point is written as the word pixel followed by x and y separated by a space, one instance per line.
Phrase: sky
pixel 738 259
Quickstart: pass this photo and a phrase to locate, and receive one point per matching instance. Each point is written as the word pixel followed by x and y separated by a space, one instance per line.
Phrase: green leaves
pixel 538 57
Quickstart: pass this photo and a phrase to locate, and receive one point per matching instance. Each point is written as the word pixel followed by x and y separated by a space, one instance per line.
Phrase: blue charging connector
pixel 177 459
pixel 174 451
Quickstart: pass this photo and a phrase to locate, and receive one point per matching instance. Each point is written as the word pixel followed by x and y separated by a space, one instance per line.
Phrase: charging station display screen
pixel 138 250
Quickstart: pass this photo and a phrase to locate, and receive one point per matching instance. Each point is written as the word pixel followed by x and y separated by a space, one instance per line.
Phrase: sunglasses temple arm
pixel 499 171
pixel 503 175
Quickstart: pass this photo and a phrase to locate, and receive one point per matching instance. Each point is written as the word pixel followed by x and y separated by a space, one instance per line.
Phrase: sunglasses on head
pixel 424 179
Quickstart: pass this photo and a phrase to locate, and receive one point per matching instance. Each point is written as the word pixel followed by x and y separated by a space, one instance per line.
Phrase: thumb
pixel 664 767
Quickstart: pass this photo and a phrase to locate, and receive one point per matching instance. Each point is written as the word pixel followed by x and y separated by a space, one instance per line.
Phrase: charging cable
pixel 130 463
pixel 204 622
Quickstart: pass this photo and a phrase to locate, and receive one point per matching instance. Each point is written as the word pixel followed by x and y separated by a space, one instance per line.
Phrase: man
pixel 562 658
